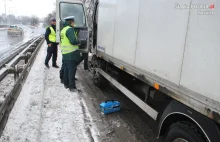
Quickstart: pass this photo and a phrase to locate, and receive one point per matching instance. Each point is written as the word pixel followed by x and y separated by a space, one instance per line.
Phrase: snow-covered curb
pixel 47 112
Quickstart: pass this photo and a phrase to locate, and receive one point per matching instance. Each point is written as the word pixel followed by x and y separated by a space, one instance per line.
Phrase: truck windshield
pixel 76 10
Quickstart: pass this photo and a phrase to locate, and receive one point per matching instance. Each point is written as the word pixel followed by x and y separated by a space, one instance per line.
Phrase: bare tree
pixel 49 16
pixel 34 20
pixel 25 20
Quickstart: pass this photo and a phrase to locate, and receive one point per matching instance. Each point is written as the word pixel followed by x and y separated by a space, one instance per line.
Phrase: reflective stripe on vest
pixel 52 36
pixel 66 46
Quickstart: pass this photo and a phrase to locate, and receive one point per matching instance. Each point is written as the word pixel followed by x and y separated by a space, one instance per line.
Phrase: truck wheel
pixel 183 132
pixel 98 79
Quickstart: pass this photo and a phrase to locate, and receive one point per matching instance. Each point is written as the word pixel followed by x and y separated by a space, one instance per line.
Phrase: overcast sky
pixel 39 8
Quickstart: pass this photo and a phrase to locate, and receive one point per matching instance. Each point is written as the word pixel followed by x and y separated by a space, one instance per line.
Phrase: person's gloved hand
pixel 79 43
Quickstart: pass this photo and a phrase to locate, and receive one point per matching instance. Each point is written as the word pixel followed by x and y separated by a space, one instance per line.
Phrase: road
pixel 131 124
pixel 47 112
pixel 8 43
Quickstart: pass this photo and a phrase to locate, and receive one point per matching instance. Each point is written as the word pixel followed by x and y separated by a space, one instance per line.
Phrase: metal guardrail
pixel 21 53
pixel 20 72
pixel 15 52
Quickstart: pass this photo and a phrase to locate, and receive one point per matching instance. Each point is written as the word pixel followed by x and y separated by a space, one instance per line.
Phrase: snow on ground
pixel 47 112
pixel 6 85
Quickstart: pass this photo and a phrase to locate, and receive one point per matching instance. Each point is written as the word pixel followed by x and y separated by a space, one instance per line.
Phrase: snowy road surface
pixel 46 112
pixel 8 43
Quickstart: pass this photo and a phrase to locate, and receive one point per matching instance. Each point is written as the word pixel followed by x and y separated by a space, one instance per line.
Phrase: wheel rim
pixel 180 140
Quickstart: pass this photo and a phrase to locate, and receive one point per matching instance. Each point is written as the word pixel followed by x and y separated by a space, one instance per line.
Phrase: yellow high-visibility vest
pixel 66 46
pixel 52 36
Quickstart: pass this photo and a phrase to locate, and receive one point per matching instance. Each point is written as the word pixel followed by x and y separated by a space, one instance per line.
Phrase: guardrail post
pixel 16 74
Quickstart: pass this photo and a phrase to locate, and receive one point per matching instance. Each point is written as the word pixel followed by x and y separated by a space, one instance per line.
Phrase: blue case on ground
pixel 109 106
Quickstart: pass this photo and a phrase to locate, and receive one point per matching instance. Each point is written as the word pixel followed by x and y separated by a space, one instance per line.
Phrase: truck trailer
pixel 162 54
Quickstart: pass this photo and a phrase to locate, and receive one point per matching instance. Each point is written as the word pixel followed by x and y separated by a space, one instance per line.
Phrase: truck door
pixel 95 24
pixel 76 8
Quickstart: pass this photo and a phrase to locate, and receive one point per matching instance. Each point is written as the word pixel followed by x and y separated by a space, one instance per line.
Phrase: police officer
pixel 83 57
pixel 50 37
pixel 70 52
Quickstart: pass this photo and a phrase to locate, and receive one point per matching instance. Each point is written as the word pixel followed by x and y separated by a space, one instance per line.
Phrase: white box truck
pixel 162 54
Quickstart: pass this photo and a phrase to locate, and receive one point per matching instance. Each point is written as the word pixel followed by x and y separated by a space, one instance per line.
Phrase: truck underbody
pixel 164 106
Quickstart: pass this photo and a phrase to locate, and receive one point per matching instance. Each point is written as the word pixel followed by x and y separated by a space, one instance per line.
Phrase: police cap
pixel 69 18
pixel 53 19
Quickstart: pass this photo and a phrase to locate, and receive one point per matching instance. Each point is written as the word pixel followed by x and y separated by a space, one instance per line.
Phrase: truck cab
pixel 76 8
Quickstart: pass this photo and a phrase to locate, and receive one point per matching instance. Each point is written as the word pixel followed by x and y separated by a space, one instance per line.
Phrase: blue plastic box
pixel 109 107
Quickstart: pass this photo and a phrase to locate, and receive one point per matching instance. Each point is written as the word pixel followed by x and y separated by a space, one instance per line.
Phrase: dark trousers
pixel 84 57
pixel 69 73
pixel 51 51
pixel 62 71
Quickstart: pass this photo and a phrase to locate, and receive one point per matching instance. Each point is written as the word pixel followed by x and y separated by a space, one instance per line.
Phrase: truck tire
pixel 183 132
pixel 98 79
